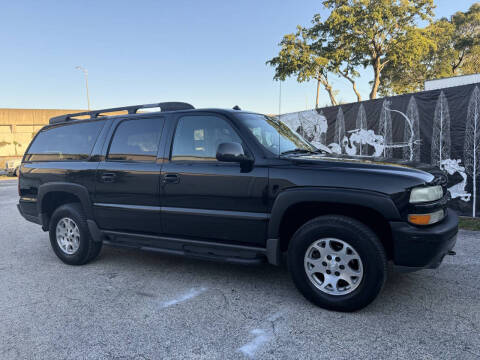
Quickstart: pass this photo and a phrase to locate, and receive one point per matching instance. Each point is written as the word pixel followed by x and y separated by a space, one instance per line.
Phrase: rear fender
pixel 79 191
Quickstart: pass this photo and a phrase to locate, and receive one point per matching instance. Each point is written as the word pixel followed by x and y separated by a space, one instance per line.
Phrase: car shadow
pixel 274 279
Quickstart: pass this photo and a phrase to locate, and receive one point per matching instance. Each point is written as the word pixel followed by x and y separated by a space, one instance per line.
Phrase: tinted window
pixel 136 140
pixel 65 142
pixel 197 137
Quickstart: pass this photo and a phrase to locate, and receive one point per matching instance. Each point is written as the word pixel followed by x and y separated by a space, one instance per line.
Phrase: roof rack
pixel 165 106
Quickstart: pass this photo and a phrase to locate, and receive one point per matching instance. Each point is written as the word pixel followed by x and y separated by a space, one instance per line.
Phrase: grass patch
pixel 468 223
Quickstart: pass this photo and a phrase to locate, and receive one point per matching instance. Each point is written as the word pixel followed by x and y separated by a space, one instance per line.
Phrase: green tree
pixel 297 58
pixel 471 64
pixel 340 62
pixel 453 48
pixel 466 37
pixel 428 57
pixel 368 32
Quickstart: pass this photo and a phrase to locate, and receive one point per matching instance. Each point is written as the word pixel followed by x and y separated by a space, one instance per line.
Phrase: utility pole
pixel 85 72
pixel 280 99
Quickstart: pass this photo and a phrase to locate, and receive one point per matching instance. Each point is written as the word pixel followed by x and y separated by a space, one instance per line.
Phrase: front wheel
pixel 337 263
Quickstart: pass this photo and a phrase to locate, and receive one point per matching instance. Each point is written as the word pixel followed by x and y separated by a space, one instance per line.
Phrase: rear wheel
pixel 337 263
pixel 69 235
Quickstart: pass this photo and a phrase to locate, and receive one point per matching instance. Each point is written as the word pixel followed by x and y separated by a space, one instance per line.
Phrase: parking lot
pixel 131 304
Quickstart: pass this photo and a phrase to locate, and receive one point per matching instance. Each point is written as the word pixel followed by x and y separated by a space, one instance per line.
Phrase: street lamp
pixel 85 72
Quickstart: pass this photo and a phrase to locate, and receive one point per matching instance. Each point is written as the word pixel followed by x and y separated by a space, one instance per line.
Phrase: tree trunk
pixel 456 65
pixel 331 94
pixel 376 79
pixel 354 85
pixel 328 88
pixel 318 94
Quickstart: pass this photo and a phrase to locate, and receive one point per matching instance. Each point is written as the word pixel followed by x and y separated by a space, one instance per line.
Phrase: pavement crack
pixel 21 305
pixel 225 299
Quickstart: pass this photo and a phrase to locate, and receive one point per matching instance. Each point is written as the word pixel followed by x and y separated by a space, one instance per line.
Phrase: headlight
pixel 426 194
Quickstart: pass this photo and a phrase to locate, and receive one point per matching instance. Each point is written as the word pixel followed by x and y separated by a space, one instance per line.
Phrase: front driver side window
pixel 197 137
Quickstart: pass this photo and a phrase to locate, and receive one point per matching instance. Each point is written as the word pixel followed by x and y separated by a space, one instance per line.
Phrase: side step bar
pixel 239 254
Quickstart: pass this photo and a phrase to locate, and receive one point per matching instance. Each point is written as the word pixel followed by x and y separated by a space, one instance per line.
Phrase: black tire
pixel 357 235
pixel 88 249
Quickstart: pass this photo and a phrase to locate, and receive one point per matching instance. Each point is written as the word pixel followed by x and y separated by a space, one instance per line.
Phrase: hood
pixel 424 172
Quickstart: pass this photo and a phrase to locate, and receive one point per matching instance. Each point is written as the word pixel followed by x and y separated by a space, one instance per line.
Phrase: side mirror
pixel 232 152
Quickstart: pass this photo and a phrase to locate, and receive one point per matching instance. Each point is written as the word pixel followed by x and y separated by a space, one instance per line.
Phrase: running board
pixel 238 254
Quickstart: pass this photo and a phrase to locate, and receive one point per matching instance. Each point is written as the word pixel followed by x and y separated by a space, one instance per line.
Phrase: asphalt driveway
pixel 136 305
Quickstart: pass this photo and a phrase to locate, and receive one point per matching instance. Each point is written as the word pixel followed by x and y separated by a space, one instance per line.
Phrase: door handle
pixel 171 178
pixel 108 177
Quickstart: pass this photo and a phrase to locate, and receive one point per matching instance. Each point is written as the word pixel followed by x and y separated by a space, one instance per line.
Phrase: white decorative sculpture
pixel 457 190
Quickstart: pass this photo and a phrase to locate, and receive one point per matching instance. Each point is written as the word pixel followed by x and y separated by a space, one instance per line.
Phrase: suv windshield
pixel 275 136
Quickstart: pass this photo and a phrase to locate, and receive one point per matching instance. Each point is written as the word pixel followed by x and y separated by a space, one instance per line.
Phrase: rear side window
pixel 136 140
pixel 65 142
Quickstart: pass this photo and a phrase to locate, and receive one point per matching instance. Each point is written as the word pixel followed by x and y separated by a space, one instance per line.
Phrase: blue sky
pixel 208 53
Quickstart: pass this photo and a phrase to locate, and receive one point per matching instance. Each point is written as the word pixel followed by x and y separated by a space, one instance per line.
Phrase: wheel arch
pixel 54 194
pixel 294 207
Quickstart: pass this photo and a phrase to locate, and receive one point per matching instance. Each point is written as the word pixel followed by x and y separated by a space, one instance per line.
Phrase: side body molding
pixel 373 200
pixel 79 191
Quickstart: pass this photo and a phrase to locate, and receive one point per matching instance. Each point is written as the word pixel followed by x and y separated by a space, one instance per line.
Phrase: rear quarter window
pixel 136 140
pixel 65 142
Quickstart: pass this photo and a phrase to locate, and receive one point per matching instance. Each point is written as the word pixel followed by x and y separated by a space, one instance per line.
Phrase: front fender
pixel 370 199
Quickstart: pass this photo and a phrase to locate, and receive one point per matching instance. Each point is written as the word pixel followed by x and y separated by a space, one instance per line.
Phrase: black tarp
pixel 438 127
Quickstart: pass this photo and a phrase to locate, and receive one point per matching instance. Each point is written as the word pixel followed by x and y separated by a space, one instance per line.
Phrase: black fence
pixel 440 127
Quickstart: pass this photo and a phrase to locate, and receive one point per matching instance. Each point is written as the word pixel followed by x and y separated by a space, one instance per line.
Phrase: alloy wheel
pixel 68 236
pixel 333 266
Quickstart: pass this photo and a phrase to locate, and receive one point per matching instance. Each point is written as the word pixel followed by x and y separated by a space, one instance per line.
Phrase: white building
pixel 452 81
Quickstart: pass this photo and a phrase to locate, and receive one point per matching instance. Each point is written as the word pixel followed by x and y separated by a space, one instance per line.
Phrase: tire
pixel 359 251
pixel 81 248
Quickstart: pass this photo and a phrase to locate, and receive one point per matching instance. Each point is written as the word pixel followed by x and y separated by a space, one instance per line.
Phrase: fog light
pixel 426 219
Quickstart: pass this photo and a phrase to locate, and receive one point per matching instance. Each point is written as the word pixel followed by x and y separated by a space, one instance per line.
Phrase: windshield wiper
pixel 303 151
pixel 297 151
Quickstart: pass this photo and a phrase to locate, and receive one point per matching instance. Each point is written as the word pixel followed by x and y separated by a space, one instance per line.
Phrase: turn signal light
pixel 423 219
pixel 426 219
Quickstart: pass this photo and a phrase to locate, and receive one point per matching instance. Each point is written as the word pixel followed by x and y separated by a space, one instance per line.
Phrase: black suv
pixel 234 186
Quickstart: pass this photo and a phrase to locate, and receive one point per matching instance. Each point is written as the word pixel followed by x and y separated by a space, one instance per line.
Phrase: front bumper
pixel 416 248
